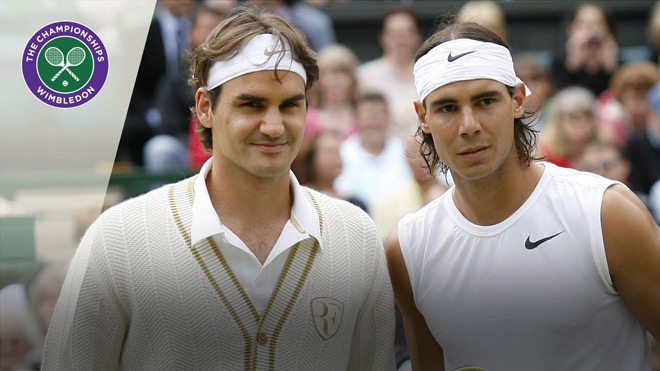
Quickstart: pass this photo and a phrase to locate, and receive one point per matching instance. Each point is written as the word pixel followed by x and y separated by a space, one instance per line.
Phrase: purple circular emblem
pixel 71 70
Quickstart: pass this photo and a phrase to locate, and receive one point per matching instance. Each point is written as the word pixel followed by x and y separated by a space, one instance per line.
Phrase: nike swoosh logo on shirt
pixel 531 245
pixel 451 58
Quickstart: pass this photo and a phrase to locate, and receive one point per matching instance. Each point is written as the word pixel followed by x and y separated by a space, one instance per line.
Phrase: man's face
pixel 577 126
pixel 257 123
pixel 372 121
pixel 472 126
pixel 327 160
pixel 335 85
pixel 589 19
pixel 604 160
pixel 400 35
pixel 178 8
pixel 539 83
pixel 204 24
pixel 635 107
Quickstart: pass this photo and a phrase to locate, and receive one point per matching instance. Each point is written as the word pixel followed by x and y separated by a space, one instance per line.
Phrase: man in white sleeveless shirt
pixel 521 265
pixel 239 267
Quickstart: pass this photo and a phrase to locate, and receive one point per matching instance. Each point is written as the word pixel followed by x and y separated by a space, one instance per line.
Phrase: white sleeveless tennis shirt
pixel 530 293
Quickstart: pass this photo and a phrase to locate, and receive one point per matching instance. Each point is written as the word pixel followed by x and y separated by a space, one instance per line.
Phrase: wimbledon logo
pixel 65 64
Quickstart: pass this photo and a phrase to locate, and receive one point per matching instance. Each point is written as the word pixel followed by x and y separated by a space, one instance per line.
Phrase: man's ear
pixel 421 115
pixel 204 108
pixel 519 100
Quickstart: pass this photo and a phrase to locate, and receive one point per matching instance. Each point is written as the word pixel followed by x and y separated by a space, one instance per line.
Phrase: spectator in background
pixel 644 147
pixel 168 149
pixel 336 89
pixel 537 78
pixel 392 73
pixel 16 341
pixel 623 109
pixel 374 162
pixel 606 159
pixel 320 163
pixel 313 22
pixel 570 125
pixel 407 197
pixel 486 13
pixel 43 292
pixel 27 310
pixel 591 53
pixel 166 39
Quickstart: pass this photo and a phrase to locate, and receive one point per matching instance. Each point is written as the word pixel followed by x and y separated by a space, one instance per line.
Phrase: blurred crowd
pixel 25 312
pixel 592 111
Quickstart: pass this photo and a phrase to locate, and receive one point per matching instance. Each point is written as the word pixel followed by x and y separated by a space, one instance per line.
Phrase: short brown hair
pixel 524 133
pixel 242 24
pixel 634 76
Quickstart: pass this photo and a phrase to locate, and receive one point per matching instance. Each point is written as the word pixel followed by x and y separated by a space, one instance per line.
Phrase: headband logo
pixel 451 58
pixel 270 53
pixel 65 64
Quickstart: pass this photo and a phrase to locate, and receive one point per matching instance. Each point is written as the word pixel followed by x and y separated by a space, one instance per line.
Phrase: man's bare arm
pixel 632 246
pixel 425 353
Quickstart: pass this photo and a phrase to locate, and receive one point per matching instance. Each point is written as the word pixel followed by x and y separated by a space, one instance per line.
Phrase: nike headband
pixel 461 60
pixel 262 53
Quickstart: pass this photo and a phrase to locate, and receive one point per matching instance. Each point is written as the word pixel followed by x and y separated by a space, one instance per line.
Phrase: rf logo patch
pixel 327 313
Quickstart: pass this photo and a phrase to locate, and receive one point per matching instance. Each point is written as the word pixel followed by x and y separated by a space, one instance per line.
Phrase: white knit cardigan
pixel 139 297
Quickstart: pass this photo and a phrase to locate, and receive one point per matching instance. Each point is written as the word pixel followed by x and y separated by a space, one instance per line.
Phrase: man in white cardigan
pixel 239 267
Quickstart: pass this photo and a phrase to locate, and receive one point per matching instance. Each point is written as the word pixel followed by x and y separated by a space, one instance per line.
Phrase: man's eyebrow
pixel 251 98
pixel 295 98
pixel 441 102
pixel 486 94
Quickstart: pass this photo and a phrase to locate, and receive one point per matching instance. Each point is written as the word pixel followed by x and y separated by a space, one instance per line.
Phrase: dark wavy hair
pixel 525 135
pixel 242 24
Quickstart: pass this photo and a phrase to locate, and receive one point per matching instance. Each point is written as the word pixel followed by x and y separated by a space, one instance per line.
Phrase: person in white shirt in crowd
pixel 374 161
pixel 392 73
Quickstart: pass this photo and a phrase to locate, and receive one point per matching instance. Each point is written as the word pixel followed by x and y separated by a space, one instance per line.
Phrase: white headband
pixel 464 59
pixel 261 53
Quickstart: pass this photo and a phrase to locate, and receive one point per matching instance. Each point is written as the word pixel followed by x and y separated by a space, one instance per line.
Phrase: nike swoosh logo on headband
pixel 270 53
pixel 451 58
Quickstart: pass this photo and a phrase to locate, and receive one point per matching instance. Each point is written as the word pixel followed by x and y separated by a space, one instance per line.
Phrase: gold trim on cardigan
pixel 282 299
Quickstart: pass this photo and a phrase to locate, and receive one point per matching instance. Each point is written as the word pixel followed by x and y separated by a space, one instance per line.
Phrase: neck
pixel 431 188
pixel 491 200
pixel 247 199
pixel 403 67
pixel 374 147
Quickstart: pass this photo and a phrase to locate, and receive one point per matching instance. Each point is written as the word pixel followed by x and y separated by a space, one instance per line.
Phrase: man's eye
pixel 251 104
pixel 447 109
pixel 290 104
pixel 487 101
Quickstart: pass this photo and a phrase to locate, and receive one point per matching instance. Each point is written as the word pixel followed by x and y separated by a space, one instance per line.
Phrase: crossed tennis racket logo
pixel 74 57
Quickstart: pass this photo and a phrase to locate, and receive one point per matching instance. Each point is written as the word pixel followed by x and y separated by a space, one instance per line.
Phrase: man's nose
pixel 272 123
pixel 469 124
